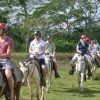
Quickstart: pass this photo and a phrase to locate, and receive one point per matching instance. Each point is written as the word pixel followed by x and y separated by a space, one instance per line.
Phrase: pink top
pixel 4 45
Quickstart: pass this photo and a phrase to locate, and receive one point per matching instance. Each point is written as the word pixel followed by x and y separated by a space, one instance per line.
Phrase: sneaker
pixel 57 75
pixel 71 72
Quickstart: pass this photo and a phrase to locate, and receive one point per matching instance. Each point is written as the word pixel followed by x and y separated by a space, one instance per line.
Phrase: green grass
pixel 65 88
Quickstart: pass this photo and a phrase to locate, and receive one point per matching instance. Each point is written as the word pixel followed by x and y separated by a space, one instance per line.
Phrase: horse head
pixel 24 70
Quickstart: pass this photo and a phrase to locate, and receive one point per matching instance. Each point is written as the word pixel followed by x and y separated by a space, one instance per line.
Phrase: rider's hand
pixel 36 54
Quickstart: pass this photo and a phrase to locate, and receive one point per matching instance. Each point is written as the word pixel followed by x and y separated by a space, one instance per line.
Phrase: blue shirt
pixel 83 47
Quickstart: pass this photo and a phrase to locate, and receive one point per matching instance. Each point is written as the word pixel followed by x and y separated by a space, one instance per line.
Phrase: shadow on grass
pixel 86 93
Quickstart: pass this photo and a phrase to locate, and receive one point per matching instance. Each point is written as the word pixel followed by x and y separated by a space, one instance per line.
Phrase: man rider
pixel 6 46
pixel 50 49
pixel 37 49
pixel 82 48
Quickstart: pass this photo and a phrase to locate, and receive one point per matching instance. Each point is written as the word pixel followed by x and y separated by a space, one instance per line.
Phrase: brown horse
pixel 4 88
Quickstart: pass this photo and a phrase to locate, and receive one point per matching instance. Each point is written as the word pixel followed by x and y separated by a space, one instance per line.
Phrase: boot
pixel 84 77
pixel 43 82
pixel 57 75
pixel 71 71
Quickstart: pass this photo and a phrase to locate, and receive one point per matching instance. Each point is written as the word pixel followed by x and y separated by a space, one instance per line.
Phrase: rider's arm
pixel 7 54
pixel 77 49
pixel 31 51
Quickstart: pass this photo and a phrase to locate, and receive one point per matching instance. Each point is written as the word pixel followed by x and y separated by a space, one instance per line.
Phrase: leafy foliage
pixel 66 20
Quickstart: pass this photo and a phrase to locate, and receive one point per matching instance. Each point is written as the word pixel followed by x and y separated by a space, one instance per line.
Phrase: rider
pixel 6 46
pixel 82 48
pixel 37 49
pixel 93 49
pixel 50 49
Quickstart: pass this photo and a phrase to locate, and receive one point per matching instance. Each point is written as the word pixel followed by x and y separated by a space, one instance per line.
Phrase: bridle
pixel 27 66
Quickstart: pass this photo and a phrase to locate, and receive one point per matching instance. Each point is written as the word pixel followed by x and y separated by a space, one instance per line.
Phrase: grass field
pixel 65 88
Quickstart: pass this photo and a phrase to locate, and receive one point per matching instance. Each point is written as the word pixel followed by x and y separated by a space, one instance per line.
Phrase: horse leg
pixel 1 92
pixel 85 74
pixel 17 90
pixel 30 89
pixel 39 91
pixel 81 81
pixel 89 72
pixel 42 93
pixel 7 94
pixel 50 73
pixel 48 76
pixel 93 70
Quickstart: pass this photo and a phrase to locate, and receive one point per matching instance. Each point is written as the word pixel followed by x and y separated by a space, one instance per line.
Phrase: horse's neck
pixel 33 67
pixel 37 65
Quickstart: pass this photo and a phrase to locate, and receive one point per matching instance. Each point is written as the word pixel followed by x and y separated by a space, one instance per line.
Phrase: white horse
pixel 98 56
pixel 32 74
pixel 80 68
pixel 49 66
pixel 94 58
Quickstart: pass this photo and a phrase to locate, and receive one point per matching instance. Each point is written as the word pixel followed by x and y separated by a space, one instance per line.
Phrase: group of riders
pixel 90 49
pixel 38 48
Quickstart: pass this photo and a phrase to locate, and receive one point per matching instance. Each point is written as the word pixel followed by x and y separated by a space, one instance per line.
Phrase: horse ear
pixel 21 64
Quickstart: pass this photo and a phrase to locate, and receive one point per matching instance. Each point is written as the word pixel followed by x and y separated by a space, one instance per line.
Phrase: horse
pixel 95 58
pixel 49 67
pixel 95 61
pixel 98 56
pixel 4 88
pixel 80 68
pixel 31 72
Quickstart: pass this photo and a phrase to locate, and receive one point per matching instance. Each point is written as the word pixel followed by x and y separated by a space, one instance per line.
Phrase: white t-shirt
pixel 38 47
pixel 97 46
pixel 93 48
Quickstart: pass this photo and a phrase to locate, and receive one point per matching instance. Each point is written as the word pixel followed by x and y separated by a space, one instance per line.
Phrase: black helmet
pixel 49 36
pixel 37 33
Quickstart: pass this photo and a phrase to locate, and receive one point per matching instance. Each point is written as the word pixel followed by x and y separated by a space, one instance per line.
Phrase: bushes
pixel 64 46
pixel 64 42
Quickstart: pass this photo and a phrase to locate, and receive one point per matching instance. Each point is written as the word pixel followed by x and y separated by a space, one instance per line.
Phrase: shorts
pixel 41 61
pixel 6 63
